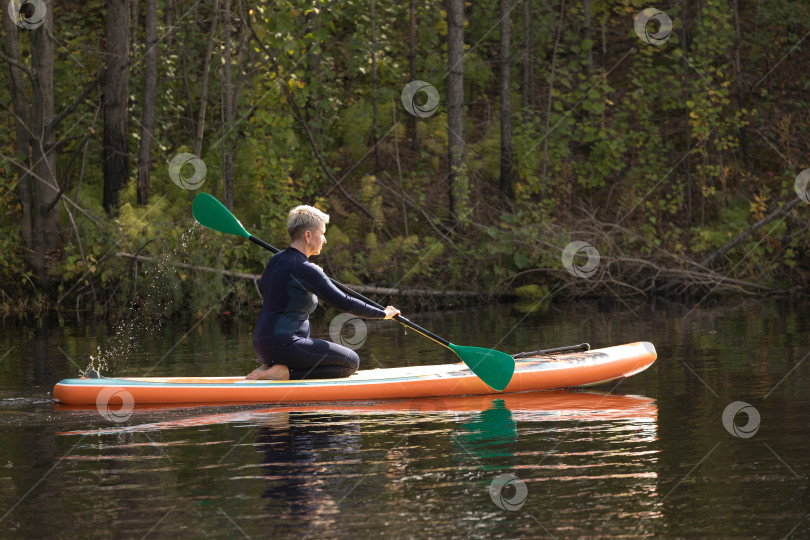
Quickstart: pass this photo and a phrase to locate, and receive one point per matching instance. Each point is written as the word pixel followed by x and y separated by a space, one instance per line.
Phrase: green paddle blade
pixel 211 213
pixel 493 367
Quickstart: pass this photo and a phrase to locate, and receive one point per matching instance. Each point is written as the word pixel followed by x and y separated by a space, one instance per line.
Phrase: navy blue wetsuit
pixel 290 288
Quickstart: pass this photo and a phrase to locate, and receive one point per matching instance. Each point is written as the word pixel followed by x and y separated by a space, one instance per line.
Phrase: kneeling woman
pixel 291 286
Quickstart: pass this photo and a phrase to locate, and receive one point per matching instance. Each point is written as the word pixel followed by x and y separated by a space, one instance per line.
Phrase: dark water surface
pixel 650 456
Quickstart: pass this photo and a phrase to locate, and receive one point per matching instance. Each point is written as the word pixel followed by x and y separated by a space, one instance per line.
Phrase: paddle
pixel 582 347
pixel 493 367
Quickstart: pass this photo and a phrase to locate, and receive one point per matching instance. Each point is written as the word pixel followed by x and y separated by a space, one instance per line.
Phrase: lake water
pixel 649 456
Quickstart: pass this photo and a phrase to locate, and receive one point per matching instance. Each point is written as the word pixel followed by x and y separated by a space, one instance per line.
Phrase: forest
pixel 540 150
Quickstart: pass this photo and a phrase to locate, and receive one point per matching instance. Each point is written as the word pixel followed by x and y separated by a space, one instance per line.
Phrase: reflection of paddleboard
pixel 537 373
pixel 558 405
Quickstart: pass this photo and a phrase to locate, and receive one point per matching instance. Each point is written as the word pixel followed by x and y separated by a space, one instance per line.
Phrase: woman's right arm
pixel 325 289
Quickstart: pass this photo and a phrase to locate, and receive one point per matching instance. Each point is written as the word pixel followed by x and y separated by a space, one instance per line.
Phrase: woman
pixel 290 287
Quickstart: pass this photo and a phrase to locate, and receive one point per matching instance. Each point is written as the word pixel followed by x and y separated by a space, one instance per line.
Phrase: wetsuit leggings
pixel 307 358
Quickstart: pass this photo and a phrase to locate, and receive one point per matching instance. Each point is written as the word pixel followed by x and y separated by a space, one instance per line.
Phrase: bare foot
pixel 271 373
pixel 256 372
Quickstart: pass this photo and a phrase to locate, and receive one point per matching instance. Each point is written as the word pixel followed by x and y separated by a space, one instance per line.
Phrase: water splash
pixel 148 310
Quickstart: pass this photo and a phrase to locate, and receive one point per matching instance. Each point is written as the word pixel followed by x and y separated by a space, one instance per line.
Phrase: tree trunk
pixel 527 99
pixel 149 96
pixel 312 106
pixel 44 215
pixel 116 93
pixel 505 187
pixel 685 43
pixel 198 140
pixel 227 148
pixel 410 126
pixel 375 112
pixel 134 21
pixel 738 78
pixel 551 93
pixel 455 101
pixel 22 110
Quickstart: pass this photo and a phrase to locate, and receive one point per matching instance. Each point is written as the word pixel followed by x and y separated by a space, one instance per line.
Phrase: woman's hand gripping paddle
pixel 493 367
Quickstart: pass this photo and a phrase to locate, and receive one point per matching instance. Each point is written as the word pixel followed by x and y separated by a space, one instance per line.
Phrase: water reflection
pixel 539 406
pixel 312 457
pixel 489 433
pixel 297 450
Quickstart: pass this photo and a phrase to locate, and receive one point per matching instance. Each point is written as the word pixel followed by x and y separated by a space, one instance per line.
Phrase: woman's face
pixel 317 240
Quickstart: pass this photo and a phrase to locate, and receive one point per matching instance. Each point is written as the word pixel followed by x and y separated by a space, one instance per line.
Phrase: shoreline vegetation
pixel 563 157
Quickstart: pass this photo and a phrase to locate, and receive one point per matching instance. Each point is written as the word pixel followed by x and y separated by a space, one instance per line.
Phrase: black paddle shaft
pixel 582 347
pixel 344 288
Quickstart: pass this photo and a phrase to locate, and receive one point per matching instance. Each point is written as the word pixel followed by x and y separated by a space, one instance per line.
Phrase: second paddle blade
pixel 495 368
pixel 211 213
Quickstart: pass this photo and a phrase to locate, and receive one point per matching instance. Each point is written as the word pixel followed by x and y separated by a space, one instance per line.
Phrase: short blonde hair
pixel 305 218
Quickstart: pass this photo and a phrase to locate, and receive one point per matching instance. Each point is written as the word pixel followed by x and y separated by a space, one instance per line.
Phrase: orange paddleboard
pixel 537 373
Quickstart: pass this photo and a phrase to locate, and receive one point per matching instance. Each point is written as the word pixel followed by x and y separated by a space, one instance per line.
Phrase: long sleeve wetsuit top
pixel 291 286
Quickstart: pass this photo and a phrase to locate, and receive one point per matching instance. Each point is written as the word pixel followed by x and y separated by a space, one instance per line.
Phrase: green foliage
pixel 355 125
pixel 532 292
pixel 532 297
pixel 648 137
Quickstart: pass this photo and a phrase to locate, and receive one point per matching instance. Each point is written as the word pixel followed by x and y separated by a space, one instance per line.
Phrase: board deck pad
pixel 536 373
